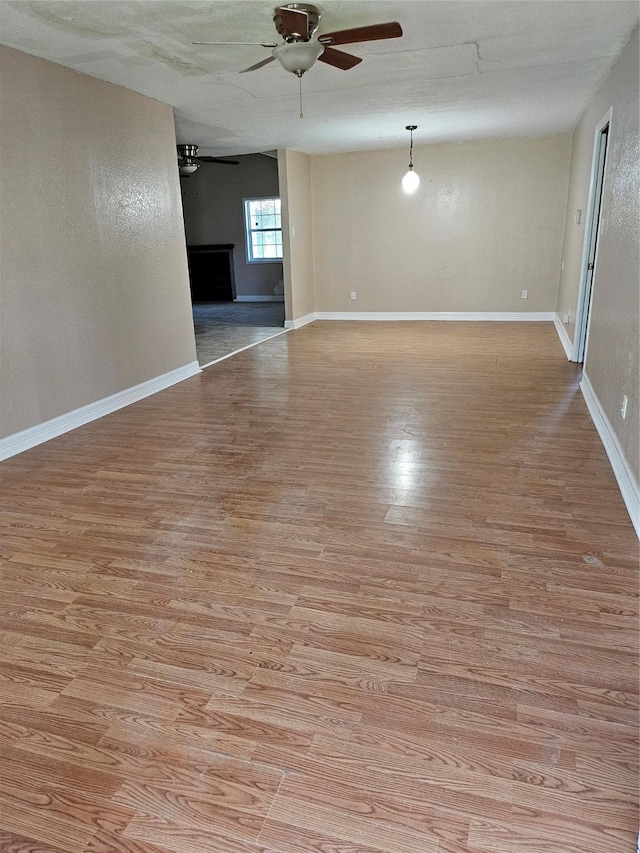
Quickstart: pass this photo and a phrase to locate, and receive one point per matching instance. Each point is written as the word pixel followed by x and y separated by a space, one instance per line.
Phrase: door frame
pixel 591 233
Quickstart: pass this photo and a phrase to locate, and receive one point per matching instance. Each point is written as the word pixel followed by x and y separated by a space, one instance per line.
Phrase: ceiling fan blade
pixel 339 59
pixel 218 160
pixel 261 43
pixel 294 22
pixel 375 32
pixel 258 65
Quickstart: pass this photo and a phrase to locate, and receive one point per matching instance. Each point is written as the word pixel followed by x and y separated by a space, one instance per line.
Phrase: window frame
pixel 249 231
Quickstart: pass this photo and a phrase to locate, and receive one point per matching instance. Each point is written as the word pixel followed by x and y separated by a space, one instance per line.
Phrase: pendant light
pixel 411 180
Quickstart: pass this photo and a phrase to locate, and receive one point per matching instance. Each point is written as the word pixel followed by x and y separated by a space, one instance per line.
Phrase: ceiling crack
pixel 478 57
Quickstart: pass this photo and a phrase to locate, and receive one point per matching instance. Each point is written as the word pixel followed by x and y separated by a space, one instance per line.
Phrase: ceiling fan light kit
pixel 298 57
pixel 189 162
pixel 411 180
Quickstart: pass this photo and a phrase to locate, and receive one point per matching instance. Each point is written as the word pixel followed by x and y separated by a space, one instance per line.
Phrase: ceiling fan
pixel 297 23
pixel 189 162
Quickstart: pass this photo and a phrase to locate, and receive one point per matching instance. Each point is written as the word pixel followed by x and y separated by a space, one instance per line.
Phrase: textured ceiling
pixel 462 70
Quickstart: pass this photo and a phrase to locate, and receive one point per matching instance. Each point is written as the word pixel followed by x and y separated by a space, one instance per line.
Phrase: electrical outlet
pixel 623 407
pixel 577 216
pixel 353 295
pixel 566 319
pixel 525 294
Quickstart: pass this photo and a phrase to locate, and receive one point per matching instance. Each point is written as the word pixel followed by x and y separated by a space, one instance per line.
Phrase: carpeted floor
pixel 224 327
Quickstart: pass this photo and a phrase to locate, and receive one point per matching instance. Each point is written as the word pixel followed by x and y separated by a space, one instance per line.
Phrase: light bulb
pixel 411 181
pixel 188 168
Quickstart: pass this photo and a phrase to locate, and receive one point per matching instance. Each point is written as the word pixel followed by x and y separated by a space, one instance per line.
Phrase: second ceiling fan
pixel 297 23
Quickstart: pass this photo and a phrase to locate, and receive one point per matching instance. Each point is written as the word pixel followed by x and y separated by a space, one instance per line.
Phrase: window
pixel 264 230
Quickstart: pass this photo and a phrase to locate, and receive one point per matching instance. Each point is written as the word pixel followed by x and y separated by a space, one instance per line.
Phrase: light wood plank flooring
pixel 364 588
pixel 222 328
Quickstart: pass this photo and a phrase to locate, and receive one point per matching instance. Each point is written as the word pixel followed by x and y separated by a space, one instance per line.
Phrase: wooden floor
pixel 222 328
pixel 365 587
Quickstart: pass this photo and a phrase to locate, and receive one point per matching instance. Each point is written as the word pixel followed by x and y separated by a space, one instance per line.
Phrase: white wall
pixel 95 290
pixel 613 354
pixel 212 201
pixel 485 224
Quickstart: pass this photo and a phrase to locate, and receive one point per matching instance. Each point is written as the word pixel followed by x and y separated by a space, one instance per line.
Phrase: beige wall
pixel 95 292
pixel 485 224
pixel 213 213
pixel 297 233
pixel 613 346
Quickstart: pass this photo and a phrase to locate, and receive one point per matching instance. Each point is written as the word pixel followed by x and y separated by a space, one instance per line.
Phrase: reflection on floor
pixel 225 327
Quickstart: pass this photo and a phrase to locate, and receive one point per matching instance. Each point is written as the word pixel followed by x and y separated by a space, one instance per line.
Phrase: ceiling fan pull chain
pixel 300 94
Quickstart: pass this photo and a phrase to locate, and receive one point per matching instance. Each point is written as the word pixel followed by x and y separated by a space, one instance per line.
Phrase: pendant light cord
pixel 411 128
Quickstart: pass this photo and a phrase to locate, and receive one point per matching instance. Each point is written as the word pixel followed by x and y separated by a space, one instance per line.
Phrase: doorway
pixel 592 230
pixel 224 328
pixel 237 296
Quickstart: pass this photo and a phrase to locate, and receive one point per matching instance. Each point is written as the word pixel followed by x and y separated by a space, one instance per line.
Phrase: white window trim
pixel 248 231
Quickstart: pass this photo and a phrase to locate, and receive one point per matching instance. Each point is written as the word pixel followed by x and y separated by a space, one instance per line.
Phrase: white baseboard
pixel 482 316
pixel 260 298
pixel 623 473
pixel 565 340
pixel 499 316
pixel 301 321
pixel 28 438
